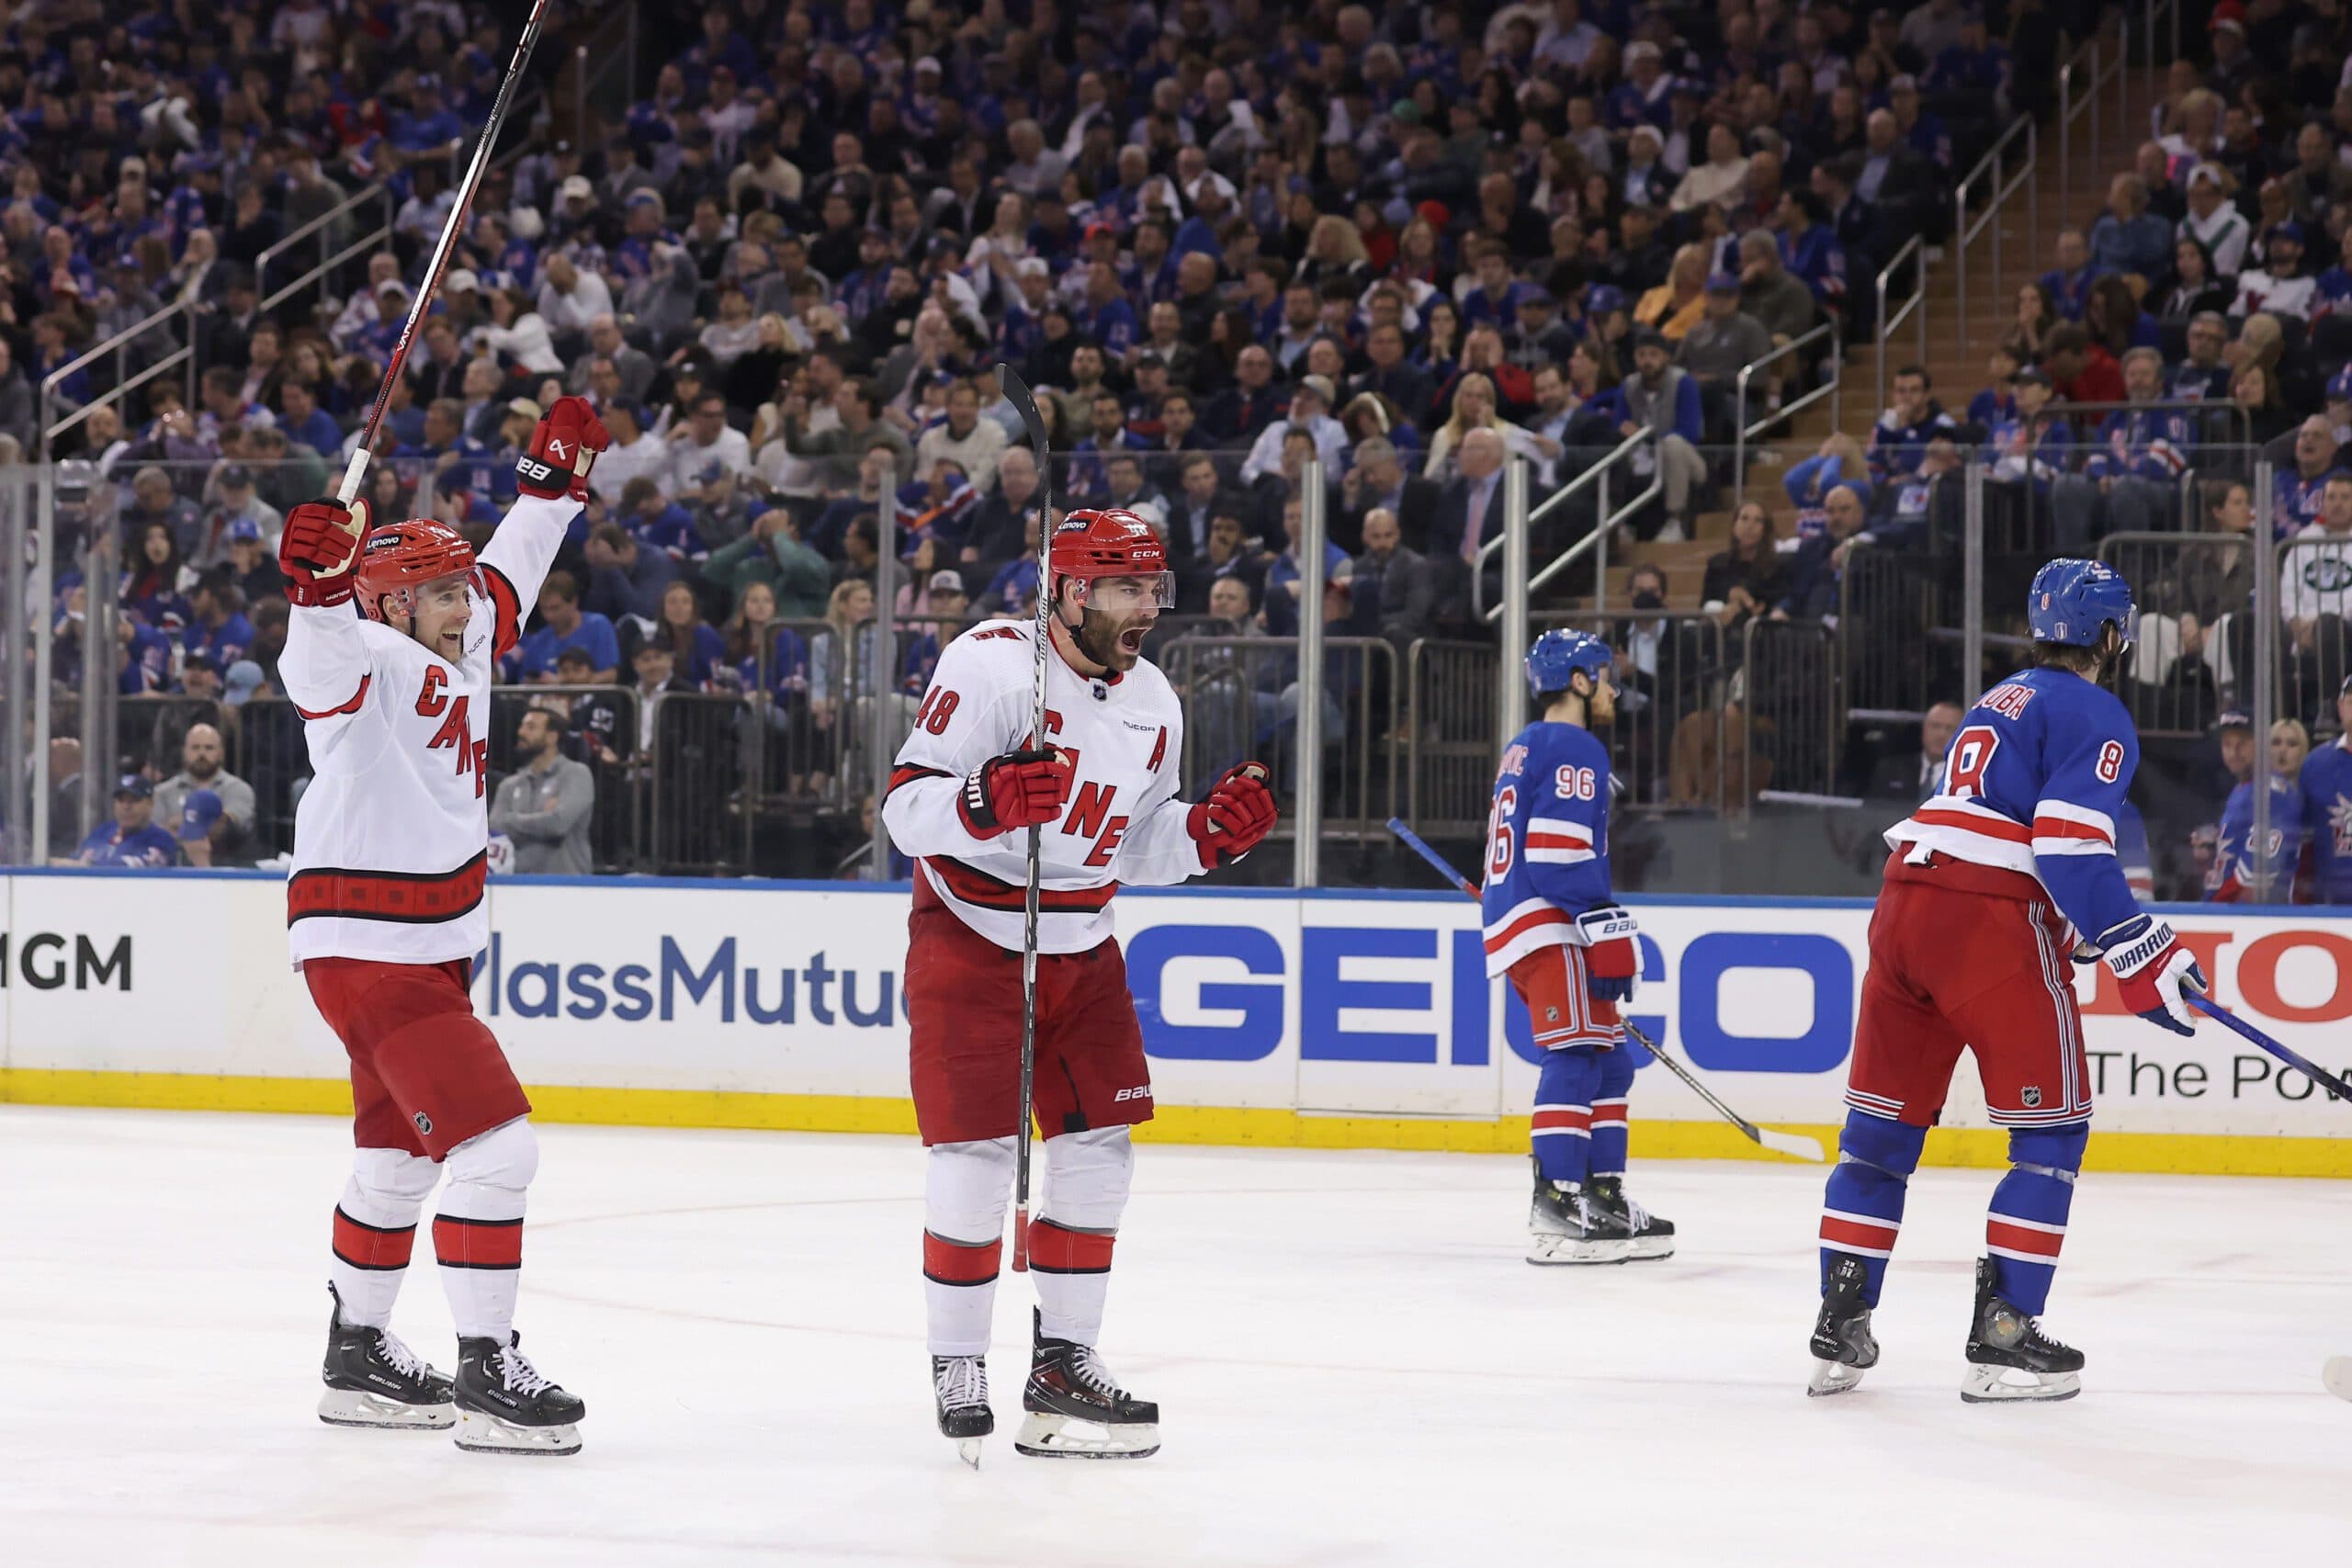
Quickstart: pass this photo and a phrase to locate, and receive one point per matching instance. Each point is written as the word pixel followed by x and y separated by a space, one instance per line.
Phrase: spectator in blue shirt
pixel 1110 319
pixel 2069 283
pixel 300 416
pixel 2128 237
pixel 132 841
pixel 219 628
pixel 624 577
pixel 565 625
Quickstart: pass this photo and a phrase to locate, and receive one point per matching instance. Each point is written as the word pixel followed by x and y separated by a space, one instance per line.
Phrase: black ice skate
pixel 961 1385
pixel 1569 1226
pixel 1075 1410
pixel 373 1380
pixel 1842 1347
pixel 506 1406
pixel 1653 1237
pixel 2009 1357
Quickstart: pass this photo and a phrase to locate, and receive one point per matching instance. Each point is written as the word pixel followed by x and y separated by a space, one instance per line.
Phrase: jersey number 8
pixel 1971 754
pixel 1499 832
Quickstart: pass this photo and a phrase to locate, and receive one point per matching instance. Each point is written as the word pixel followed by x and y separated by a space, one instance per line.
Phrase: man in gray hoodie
pixel 544 805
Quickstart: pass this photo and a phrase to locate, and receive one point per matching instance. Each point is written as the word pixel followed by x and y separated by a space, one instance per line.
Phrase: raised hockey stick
pixel 2229 1019
pixel 1015 391
pixel 356 471
pixel 1793 1144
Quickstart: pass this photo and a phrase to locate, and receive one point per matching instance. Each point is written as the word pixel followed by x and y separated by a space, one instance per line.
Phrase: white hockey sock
pixel 478 1232
pixel 1087 1177
pixel 375 1229
pixel 964 1189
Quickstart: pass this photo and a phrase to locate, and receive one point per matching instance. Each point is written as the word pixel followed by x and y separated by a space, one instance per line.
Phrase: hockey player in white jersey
pixel 392 641
pixel 1101 782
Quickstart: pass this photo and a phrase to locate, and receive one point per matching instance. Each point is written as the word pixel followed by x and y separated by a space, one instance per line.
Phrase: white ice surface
pixel 1355 1364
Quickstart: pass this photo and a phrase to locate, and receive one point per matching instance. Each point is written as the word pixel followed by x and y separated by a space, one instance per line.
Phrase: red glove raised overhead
pixel 1019 789
pixel 1238 813
pixel 563 448
pixel 321 541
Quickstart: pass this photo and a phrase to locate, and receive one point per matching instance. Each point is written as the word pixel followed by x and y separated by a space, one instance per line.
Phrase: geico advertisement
pixel 1365 1005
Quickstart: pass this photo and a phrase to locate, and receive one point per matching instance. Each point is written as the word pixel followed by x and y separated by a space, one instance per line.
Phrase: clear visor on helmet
pixel 1126 594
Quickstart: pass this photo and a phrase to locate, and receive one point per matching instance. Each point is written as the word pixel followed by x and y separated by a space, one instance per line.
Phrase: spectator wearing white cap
pixel 2214 220
pixel 1310 410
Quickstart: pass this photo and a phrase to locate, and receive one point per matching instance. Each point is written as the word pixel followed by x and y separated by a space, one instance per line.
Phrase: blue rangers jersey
pixel 2229 879
pixel 1547 841
pixel 2034 784
pixel 2327 821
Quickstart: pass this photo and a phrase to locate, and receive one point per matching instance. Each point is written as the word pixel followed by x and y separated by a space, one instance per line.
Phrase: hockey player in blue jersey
pixel 1991 885
pixel 2327 809
pixel 1568 947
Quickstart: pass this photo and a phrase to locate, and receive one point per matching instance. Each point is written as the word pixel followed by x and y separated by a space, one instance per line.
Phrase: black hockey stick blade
pixel 1015 391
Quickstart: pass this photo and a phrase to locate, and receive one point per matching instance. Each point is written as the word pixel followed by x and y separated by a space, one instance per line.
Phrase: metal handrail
pixel 1576 486
pixel 116 345
pixel 2103 69
pixel 1964 234
pixel 1918 303
pixel 377 192
pixel 1833 387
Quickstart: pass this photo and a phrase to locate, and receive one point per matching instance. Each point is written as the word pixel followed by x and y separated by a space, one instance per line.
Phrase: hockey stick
pixel 357 470
pixel 1793 1144
pixel 2229 1019
pixel 1015 391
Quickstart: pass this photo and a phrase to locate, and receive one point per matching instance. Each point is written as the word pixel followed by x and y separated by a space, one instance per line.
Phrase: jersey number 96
pixel 1499 832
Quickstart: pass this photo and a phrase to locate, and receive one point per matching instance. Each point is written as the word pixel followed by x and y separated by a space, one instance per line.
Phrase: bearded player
pixel 1102 784
pixel 390 654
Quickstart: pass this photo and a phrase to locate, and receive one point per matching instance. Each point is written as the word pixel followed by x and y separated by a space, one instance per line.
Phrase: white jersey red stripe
pixel 392 836
pixel 1121 825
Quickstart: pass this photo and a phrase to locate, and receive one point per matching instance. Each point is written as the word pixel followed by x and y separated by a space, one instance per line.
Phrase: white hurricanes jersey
pixel 391 839
pixel 1121 824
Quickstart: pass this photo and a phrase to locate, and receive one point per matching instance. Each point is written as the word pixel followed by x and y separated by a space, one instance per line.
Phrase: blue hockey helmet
pixel 2072 600
pixel 1560 653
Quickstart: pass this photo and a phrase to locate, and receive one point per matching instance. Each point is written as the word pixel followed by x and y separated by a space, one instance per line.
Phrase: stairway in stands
pixel 1958 372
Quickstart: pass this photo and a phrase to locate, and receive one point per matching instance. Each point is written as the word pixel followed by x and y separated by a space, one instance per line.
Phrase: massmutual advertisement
pixel 1357 1020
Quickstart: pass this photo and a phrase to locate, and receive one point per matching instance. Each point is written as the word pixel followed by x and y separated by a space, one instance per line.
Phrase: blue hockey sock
pixel 1861 1211
pixel 2028 1219
pixel 1562 1123
pixel 1609 1112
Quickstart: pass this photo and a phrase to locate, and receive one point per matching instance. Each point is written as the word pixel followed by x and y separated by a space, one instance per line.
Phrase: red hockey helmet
pixel 396 561
pixel 1111 542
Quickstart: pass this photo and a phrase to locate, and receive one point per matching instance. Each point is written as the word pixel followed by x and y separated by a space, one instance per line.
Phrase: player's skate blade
pixel 506 1405
pixel 2337 1375
pixel 960 1384
pixel 1569 1225
pixel 2009 1358
pixel 1843 1347
pixel 1653 1238
pixel 1075 1409
pixel 374 1379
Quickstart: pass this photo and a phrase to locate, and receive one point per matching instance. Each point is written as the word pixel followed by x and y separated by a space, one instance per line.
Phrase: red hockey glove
pixel 1020 789
pixel 1239 812
pixel 2155 972
pixel 1612 963
pixel 563 448
pixel 321 541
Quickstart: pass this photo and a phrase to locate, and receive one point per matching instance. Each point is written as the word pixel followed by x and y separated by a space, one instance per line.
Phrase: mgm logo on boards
pixel 48 961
